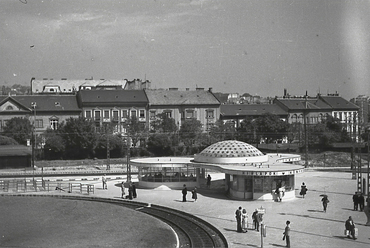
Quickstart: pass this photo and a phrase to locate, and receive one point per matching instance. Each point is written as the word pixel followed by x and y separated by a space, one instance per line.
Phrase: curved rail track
pixel 191 230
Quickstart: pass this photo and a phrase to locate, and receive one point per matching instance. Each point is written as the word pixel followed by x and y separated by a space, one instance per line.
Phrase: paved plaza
pixel 310 226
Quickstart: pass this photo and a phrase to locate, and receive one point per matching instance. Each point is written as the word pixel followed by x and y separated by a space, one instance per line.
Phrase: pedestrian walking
pixel 287 234
pixel 325 202
pixel 361 201
pixel 184 193
pixel 209 178
pixel 244 220
pixel 303 190
pixel 134 194
pixel 194 194
pixel 350 228
pixel 104 181
pixel 355 200
pixel 122 189
pixel 238 216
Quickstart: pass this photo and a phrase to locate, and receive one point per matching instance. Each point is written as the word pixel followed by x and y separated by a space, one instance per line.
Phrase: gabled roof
pixel 176 97
pixel 111 97
pixel 338 103
pixel 251 109
pixel 302 103
pixel 221 97
pixel 45 102
pixel 4 99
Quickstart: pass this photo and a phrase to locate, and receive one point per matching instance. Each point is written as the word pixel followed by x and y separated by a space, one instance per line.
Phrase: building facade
pixel 43 111
pixel 199 104
pixel 113 107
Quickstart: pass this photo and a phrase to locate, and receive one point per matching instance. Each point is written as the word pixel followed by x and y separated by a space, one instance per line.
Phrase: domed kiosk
pixel 250 174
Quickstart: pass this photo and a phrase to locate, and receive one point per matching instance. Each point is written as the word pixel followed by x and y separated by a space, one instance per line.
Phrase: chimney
pixel 210 89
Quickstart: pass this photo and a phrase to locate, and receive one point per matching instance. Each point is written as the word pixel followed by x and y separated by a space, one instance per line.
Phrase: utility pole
pixel 305 131
pixel 108 148
pixel 33 105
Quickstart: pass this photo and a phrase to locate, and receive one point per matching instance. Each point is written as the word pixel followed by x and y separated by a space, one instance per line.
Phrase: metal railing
pixel 25 185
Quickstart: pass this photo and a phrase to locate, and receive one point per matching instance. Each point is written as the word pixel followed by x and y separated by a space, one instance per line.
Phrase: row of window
pixel 187 114
pixel 114 114
pixel 125 113
pixel 39 123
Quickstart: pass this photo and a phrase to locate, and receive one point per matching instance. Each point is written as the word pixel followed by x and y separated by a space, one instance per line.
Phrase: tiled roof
pixel 98 97
pixel 47 102
pixel 337 102
pixel 251 109
pixel 301 103
pixel 175 97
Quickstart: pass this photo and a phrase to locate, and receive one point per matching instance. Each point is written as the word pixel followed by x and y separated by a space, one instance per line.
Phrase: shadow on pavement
pixel 279 245
pixel 315 211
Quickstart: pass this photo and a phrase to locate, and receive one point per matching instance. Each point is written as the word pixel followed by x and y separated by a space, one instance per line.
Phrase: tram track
pixel 192 232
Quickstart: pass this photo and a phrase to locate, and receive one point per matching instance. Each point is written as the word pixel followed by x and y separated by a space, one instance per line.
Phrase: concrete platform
pixel 310 226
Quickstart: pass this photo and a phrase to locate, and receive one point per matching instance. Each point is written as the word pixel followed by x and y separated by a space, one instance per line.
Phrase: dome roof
pixel 230 151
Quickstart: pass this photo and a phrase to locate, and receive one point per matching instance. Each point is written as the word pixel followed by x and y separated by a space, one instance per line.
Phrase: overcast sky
pixel 245 46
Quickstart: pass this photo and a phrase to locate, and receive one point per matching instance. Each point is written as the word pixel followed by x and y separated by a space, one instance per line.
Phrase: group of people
pixel 185 192
pixel 241 216
pixel 131 191
pixel 358 199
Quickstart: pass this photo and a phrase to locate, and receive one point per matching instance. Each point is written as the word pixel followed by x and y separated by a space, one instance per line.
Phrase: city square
pixel 310 226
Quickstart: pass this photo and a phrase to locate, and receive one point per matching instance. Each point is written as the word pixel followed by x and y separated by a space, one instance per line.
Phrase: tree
pixel 222 131
pixel 116 146
pixel 80 138
pixel 20 129
pixel 189 132
pixel 137 131
pixel 6 141
pixel 164 124
pixel 267 126
pixel 160 144
pixel 54 147
pixel 327 132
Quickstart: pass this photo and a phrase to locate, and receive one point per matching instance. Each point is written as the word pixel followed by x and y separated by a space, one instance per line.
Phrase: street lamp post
pixel 128 169
pixel 33 105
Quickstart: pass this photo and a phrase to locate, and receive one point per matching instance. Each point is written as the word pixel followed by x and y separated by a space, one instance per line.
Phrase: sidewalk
pixel 310 226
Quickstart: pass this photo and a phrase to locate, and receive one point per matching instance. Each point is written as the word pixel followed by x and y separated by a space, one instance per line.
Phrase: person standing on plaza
pixel 104 181
pixel 287 234
pixel 194 194
pixel 244 220
pixel 254 218
pixel 129 191
pixel 209 178
pixel 325 202
pixel 134 194
pixel 361 201
pixel 122 189
pixel 350 228
pixel 184 193
pixel 303 190
pixel 238 216
pixel 355 201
